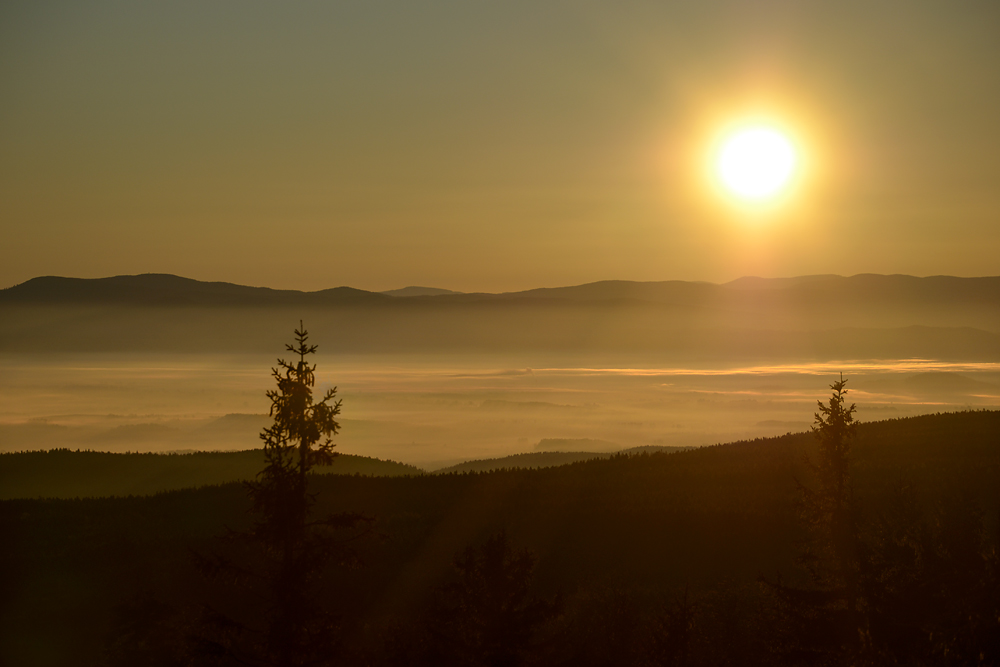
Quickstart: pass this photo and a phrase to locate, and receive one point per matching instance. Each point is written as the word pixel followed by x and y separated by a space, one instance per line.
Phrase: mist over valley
pixel 160 363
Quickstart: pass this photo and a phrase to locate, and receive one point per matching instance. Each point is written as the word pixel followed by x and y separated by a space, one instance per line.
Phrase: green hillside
pixel 62 473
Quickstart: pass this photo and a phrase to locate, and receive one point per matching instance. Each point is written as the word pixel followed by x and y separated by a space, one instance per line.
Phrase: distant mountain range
pixel 161 289
pixel 154 289
pixel 862 316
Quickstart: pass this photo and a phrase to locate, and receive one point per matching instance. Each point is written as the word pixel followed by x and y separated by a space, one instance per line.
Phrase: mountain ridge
pixel 416 290
pixel 169 289
pixel 866 316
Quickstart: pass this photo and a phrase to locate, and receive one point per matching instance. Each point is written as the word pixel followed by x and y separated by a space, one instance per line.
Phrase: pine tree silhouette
pixel 291 625
pixel 830 509
pixel 826 622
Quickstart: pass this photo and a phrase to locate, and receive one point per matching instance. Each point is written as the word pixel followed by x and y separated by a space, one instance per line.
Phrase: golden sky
pixel 491 145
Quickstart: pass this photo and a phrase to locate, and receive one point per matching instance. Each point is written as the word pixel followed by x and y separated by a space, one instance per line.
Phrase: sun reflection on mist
pixel 812 368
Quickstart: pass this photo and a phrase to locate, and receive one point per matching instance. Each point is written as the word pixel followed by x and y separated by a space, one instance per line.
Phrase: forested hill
pixel 548 459
pixel 62 473
pixel 711 519
pixel 864 316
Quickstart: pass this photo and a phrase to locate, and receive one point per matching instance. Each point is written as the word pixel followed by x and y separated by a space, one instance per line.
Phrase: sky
pixel 492 146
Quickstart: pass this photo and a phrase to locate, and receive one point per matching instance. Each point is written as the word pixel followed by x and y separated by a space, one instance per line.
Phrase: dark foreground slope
pixel 708 518
pixel 61 473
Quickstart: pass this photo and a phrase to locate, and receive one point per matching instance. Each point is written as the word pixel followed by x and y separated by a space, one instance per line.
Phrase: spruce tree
pixel 830 508
pixel 286 552
pixel 825 622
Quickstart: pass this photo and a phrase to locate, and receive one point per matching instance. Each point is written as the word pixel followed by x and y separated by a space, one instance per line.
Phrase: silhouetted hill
pixel 229 432
pixel 550 456
pixel 158 289
pixel 518 461
pixel 801 291
pixel 166 289
pixel 413 290
pixel 575 445
pixel 61 473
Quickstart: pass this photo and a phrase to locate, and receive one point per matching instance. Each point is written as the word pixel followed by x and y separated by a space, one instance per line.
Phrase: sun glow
pixel 756 163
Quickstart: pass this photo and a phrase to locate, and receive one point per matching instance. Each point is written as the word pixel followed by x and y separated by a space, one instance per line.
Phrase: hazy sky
pixel 491 146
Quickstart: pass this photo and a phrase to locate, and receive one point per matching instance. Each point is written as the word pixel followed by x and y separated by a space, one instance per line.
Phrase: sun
pixel 756 163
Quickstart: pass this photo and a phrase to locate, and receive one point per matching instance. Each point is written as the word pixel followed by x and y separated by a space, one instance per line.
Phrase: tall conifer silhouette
pixel 830 508
pixel 294 625
pixel 826 621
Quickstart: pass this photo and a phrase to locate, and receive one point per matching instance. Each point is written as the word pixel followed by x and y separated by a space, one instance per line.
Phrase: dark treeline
pixel 648 559
pixel 64 473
